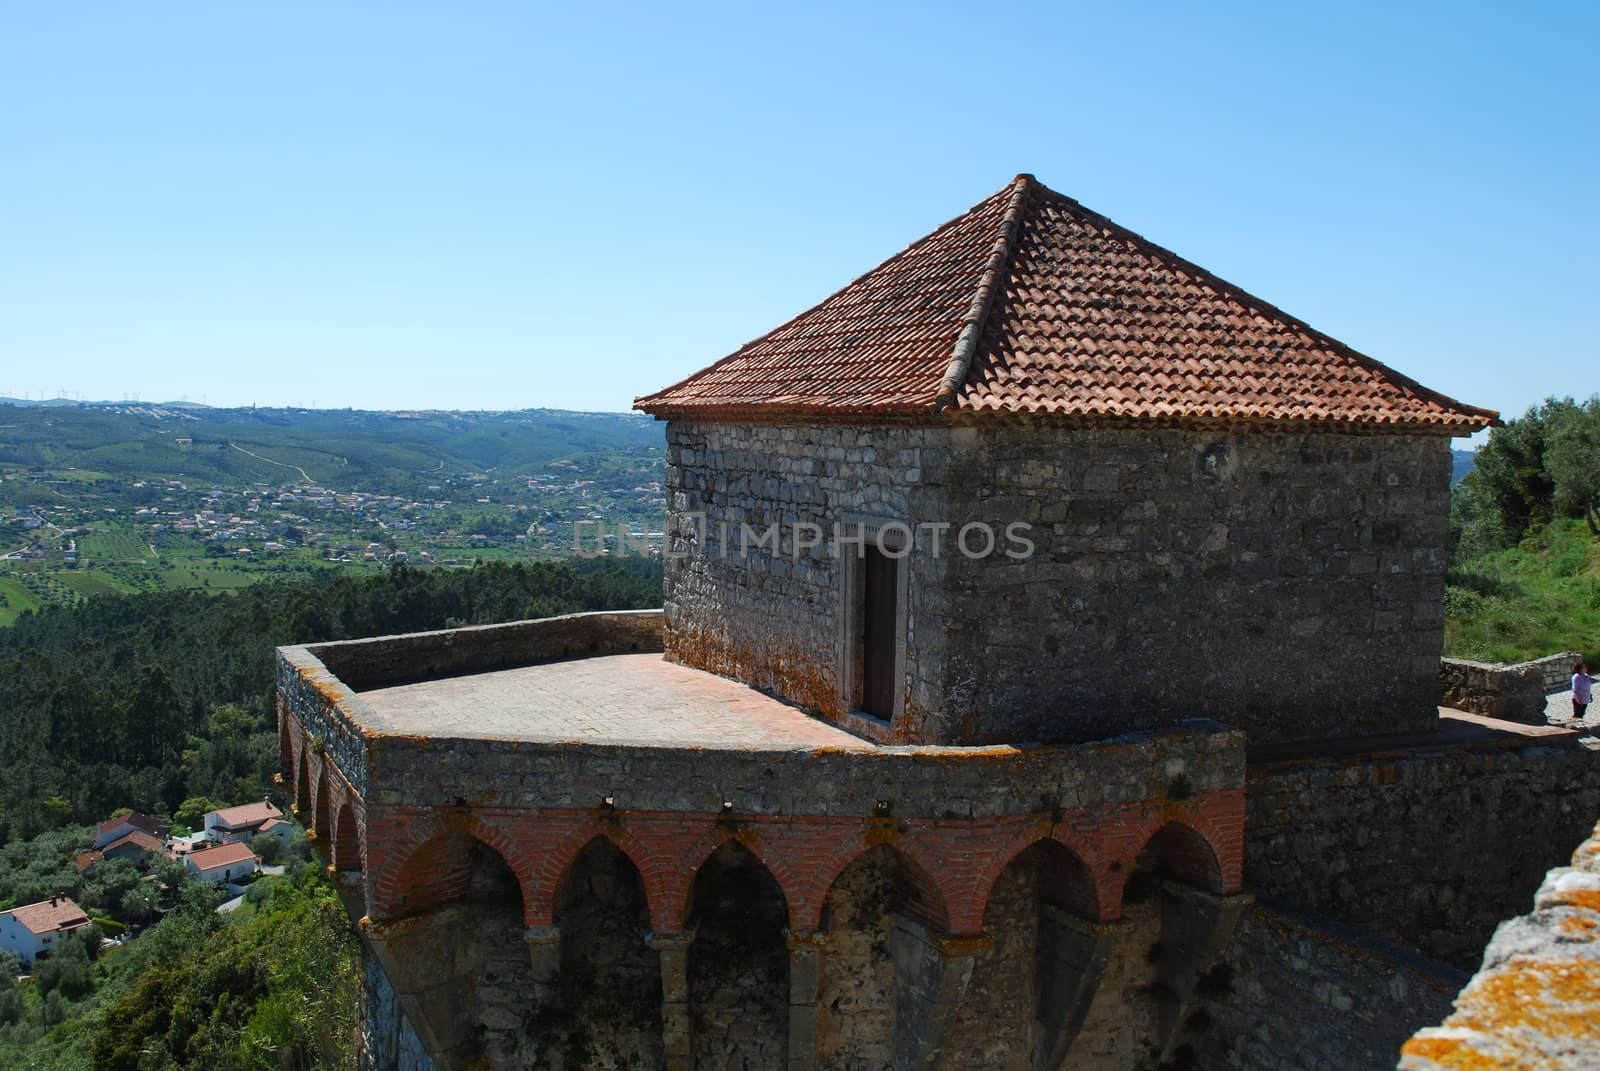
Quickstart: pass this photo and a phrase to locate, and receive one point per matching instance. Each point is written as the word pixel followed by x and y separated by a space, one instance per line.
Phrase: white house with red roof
pixel 36 929
pixel 115 829
pixel 239 825
pixel 223 863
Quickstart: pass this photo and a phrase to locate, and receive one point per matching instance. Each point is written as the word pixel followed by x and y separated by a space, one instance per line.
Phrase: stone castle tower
pixel 981 575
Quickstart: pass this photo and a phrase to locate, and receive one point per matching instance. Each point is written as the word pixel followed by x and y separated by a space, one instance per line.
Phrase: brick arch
pixel 302 782
pixel 932 903
pixel 556 866
pixel 676 911
pixel 1189 853
pixel 323 810
pixel 346 838
pixel 431 865
pixel 1070 841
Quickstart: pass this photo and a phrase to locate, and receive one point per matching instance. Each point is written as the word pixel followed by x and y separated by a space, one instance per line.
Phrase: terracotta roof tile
pixel 1030 303
pixel 247 814
pixel 221 855
pixel 48 916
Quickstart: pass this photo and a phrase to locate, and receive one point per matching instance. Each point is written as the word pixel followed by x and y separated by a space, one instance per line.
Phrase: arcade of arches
pixel 597 940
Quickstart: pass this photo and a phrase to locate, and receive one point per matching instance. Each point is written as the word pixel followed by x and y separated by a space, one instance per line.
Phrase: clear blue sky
pixel 499 206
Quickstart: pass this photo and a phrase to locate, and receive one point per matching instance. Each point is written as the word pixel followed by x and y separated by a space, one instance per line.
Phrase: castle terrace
pixel 637 699
pixel 534 742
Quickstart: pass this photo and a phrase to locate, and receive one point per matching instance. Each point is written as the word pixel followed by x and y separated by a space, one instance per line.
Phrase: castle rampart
pixel 946 852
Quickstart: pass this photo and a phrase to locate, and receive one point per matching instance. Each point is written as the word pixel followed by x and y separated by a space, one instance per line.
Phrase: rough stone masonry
pixel 1141 595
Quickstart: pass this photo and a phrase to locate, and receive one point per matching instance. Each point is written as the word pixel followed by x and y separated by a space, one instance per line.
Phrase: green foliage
pixel 1526 601
pixel 277 990
pixel 192 811
pixel 269 846
pixel 1539 467
pixel 159 699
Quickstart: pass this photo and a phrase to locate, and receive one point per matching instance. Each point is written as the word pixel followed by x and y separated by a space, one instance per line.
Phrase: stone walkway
pixel 633 699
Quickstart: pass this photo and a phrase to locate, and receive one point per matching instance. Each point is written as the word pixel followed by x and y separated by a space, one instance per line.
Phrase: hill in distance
pixel 335 448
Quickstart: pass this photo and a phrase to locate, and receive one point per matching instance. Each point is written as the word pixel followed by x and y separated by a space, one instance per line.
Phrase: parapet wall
pixel 1428 848
pixel 1513 691
pixel 1536 1001
pixel 389 660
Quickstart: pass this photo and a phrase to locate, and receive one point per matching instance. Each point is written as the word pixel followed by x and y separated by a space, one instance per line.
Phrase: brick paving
pixel 634 699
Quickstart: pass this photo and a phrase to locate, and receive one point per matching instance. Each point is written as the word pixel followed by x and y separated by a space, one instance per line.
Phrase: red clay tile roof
pixel 139 837
pixel 134 819
pixel 1031 303
pixel 247 814
pixel 48 916
pixel 221 855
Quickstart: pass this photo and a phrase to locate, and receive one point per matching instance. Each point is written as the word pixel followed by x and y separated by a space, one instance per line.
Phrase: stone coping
pixel 1535 1004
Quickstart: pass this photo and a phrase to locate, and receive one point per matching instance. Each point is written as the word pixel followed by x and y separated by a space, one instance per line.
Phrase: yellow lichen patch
pixel 1585 898
pixel 1579 925
pixel 1559 999
pixel 1458 1053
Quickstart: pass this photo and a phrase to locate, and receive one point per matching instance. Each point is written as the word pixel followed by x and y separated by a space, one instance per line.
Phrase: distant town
pixel 69 531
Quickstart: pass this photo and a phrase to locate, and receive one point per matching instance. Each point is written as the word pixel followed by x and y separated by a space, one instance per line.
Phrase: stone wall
pixel 1514 691
pixel 773 620
pixel 1290 584
pixel 388 1042
pixel 1428 848
pixel 1301 994
pixel 1536 1001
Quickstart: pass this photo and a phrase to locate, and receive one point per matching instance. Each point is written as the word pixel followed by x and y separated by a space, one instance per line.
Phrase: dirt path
pixel 303 474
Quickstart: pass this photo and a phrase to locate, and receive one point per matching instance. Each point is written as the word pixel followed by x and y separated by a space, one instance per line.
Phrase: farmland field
pixel 16 599
pixel 113 544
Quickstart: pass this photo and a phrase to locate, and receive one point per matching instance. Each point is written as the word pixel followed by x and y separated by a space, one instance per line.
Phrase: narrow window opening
pixel 879 594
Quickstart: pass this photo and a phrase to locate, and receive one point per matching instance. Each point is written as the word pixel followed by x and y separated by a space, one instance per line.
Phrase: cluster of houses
pixel 219 853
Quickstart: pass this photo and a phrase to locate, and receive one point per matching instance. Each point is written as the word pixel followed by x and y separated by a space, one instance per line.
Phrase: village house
pixel 133 847
pixel 241 824
pixel 37 929
pixel 223 863
pixel 115 829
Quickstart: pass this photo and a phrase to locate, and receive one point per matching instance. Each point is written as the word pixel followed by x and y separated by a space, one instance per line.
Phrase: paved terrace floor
pixel 634 699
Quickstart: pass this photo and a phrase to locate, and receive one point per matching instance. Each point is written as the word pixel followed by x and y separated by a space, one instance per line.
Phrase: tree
pixel 192 811
pixel 268 846
pixel 1573 457
pixel 139 903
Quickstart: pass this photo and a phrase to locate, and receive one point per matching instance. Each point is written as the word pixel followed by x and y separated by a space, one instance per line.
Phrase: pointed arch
pixel 738 969
pixel 1177 849
pixel 1069 892
pixel 555 866
pixel 439 868
pixel 346 839
pixel 912 890
pixel 905 848
pixel 323 820
pixel 694 860
pixel 302 783
pixel 602 915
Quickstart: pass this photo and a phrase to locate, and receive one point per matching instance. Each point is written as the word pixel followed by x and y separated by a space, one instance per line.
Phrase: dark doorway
pixel 880 575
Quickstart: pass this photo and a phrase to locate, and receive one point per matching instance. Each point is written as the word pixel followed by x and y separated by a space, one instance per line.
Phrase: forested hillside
pixel 144 700
pixel 162 702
